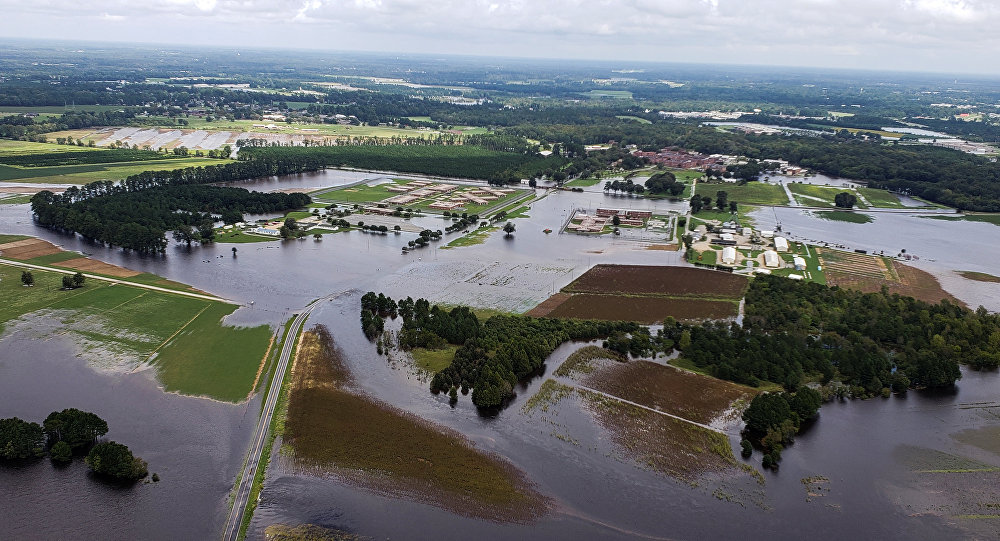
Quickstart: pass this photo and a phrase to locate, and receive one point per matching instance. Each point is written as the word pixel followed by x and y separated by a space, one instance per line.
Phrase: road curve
pixel 231 533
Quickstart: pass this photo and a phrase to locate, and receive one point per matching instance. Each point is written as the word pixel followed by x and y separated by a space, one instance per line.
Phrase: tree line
pixel 494 354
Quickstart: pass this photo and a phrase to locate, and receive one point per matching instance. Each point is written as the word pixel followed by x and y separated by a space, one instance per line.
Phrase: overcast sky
pixel 923 35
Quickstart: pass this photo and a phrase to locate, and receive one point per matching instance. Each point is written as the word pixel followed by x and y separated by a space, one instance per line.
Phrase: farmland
pixel 811 195
pixel 66 164
pixel 869 273
pixel 414 457
pixel 121 328
pixel 646 294
pixel 421 195
pixel 647 310
pixel 752 193
pixel 692 396
pixel 667 281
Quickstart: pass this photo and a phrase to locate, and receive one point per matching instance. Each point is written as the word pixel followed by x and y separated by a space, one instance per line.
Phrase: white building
pixel 794 276
pixel 767 234
pixel 800 263
pixel 729 255
pixel 747 231
pixel 266 231
pixel 727 237
pixel 771 259
pixel 780 244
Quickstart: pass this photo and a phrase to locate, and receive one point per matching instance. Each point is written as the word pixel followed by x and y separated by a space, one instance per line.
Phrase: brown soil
pixel 651 280
pixel 640 309
pixel 909 281
pixel 662 443
pixel 369 443
pixel 27 249
pixel 85 264
pixel 664 247
pixel 692 396
pixel 548 305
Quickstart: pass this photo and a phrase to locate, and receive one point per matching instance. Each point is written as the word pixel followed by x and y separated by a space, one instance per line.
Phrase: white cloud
pixel 936 34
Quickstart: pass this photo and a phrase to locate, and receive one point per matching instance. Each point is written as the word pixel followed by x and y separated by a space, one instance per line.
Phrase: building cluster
pixel 682 159
pixel 595 223
pixel 731 236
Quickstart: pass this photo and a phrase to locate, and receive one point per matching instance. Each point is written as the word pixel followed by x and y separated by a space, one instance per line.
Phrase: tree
pixel 20 439
pixel 532 183
pixel 508 229
pixel 78 279
pixel 291 224
pixel 27 278
pixel 696 204
pixel 733 207
pixel 116 461
pixel 61 452
pixel 766 411
pixel 845 200
pixel 721 199
pixel 616 221
pixel 77 428
pixel 67 282
pixel 234 251
pixel 184 233
pixel 285 232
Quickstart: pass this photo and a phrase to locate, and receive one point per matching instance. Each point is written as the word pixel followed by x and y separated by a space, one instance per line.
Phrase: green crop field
pixel 811 195
pixel 880 198
pixel 182 337
pixel 17 148
pixel 752 193
pixel 365 194
pixel 85 174
pixel 196 123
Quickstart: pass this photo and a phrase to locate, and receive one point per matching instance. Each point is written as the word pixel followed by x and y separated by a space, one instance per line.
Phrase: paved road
pixel 114 280
pixel 232 530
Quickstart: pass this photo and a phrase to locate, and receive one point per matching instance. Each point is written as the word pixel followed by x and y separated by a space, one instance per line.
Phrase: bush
pixel 61 452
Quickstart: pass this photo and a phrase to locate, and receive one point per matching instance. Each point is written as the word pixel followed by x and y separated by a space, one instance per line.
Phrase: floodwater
pixel 197 446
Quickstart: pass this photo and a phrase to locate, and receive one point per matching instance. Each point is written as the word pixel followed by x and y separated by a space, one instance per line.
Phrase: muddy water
pixel 197 446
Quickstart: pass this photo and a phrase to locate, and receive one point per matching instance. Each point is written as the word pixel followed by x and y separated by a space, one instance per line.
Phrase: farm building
pixel 800 263
pixel 780 244
pixel 266 231
pixel 767 234
pixel 747 231
pixel 729 255
pixel 771 259
pixel 795 276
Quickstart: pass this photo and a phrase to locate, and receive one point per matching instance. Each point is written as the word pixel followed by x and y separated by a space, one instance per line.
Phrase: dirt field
pixel 907 280
pixel 667 281
pixel 662 443
pixel 692 396
pixel 366 442
pixel 640 309
pixel 27 249
pixel 84 264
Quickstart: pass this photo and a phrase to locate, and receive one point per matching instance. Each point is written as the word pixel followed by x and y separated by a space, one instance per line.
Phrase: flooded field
pixel 599 487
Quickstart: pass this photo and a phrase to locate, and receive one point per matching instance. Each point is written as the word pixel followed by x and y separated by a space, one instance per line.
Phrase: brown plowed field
pixel 548 305
pixel 27 249
pixel 692 396
pixel 639 309
pixel 84 264
pixel 666 281
pixel 913 282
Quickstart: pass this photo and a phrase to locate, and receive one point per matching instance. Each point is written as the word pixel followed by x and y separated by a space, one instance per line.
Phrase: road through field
pixel 231 533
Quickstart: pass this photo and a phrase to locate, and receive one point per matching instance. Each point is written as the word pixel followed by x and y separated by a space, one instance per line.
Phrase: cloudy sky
pixel 925 35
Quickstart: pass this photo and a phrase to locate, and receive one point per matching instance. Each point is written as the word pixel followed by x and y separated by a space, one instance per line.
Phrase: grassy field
pixel 196 123
pixel 434 360
pixel 9 148
pixel 57 109
pixel 584 182
pixel 601 94
pixel 841 216
pixel 115 324
pixel 752 193
pixel 472 238
pixel 979 276
pixel 354 436
pixel 85 174
pixel 634 119
pixel 812 195
pixel 881 198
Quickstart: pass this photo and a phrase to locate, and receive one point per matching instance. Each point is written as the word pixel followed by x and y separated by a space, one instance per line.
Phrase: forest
pixel 793 331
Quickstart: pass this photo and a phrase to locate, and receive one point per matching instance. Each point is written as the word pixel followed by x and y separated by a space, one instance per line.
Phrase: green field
pixel 811 195
pixel 633 118
pixel 15 199
pixel 616 94
pixel 752 193
pixel 842 216
pixel 58 109
pixel 584 182
pixel 85 174
pixel 198 123
pixel 122 327
pixel 881 198
pixel 8 148
pixel 434 360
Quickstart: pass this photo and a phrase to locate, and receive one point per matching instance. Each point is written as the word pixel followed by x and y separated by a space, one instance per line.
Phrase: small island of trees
pixel 65 434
